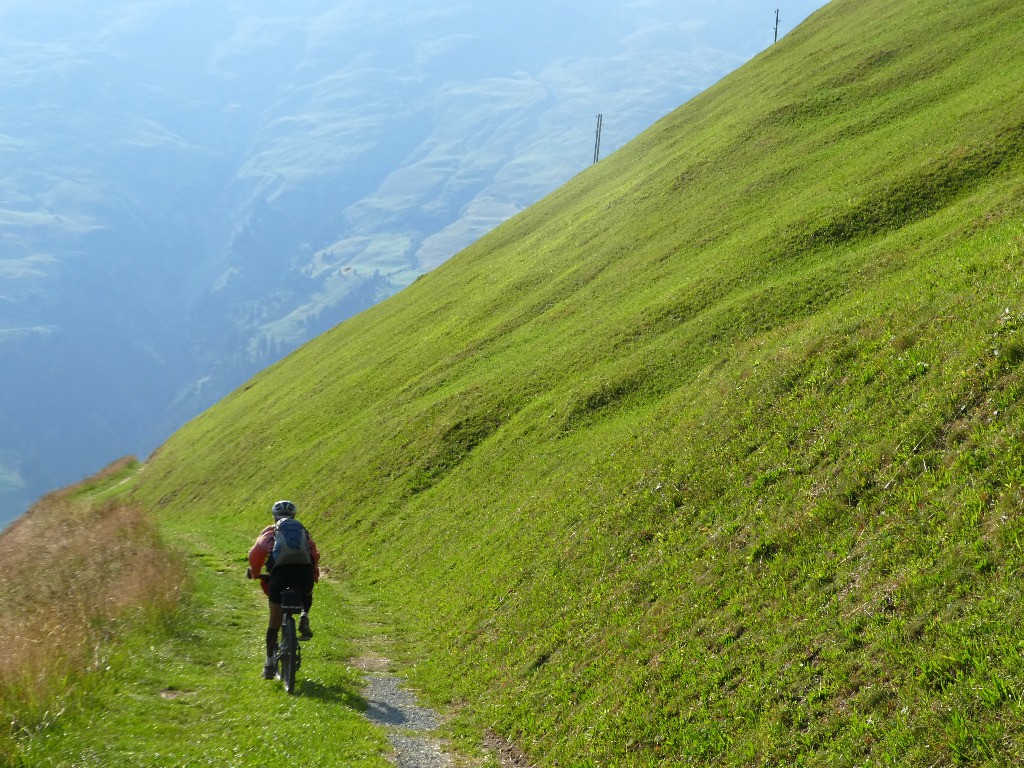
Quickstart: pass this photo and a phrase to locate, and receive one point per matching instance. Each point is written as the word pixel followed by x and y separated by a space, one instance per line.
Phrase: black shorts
pixel 298 577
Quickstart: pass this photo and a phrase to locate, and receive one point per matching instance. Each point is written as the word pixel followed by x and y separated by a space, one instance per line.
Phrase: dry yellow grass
pixel 71 569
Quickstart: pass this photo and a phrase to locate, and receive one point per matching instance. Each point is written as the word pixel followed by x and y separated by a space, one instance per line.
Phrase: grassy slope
pixel 65 596
pixel 714 455
pixel 115 679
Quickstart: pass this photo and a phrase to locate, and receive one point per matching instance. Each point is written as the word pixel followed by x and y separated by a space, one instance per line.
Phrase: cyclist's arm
pixel 260 551
pixel 315 554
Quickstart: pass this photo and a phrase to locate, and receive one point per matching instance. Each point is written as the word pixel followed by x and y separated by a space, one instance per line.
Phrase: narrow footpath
pixel 412 728
pixel 409 726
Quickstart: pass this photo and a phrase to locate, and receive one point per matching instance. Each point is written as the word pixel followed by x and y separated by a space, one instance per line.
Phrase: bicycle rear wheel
pixel 289 653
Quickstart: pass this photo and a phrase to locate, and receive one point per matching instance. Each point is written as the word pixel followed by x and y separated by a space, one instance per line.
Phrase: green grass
pixel 185 688
pixel 714 456
pixel 79 572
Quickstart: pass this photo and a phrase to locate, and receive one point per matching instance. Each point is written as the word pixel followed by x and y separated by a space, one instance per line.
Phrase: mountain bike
pixel 289 657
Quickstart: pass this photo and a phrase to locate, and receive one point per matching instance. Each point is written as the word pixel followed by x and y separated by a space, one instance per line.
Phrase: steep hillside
pixel 172 224
pixel 713 456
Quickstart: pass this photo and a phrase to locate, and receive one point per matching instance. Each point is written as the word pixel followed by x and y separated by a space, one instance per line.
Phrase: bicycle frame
pixel 289 657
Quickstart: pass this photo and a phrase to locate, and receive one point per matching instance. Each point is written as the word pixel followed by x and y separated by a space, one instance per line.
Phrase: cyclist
pixel 291 562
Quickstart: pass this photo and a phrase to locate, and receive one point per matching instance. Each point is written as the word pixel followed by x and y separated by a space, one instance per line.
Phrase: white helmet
pixel 283 508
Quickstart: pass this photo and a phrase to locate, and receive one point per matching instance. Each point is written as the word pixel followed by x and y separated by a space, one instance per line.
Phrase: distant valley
pixel 189 192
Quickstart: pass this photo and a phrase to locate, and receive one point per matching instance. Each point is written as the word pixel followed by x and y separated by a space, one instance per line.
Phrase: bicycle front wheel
pixel 289 653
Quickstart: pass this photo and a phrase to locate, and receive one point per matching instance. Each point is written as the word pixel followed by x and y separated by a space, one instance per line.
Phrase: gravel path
pixel 409 725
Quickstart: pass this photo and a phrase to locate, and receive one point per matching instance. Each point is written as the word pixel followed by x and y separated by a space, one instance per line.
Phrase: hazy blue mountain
pixel 189 190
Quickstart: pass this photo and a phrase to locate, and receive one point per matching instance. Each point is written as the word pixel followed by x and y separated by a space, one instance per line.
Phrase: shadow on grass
pixel 336 692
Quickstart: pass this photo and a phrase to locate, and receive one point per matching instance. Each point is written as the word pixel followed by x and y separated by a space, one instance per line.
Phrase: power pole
pixel 776 25
pixel 597 138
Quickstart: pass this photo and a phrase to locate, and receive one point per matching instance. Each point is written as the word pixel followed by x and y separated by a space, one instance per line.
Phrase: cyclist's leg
pixel 305 633
pixel 273 625
pixel 305 586
pixel 276 615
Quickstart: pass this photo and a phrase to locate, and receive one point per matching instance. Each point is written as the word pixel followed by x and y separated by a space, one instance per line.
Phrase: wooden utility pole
pixel 597 138
pixel 776 25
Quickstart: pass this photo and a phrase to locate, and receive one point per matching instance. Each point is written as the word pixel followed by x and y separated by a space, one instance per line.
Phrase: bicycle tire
pixel 289 648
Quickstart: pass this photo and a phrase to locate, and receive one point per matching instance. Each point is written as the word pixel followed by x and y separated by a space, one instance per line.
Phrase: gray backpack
pixel 291 543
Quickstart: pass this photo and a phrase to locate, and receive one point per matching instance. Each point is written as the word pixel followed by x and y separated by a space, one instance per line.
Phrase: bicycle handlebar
pixel 261 577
